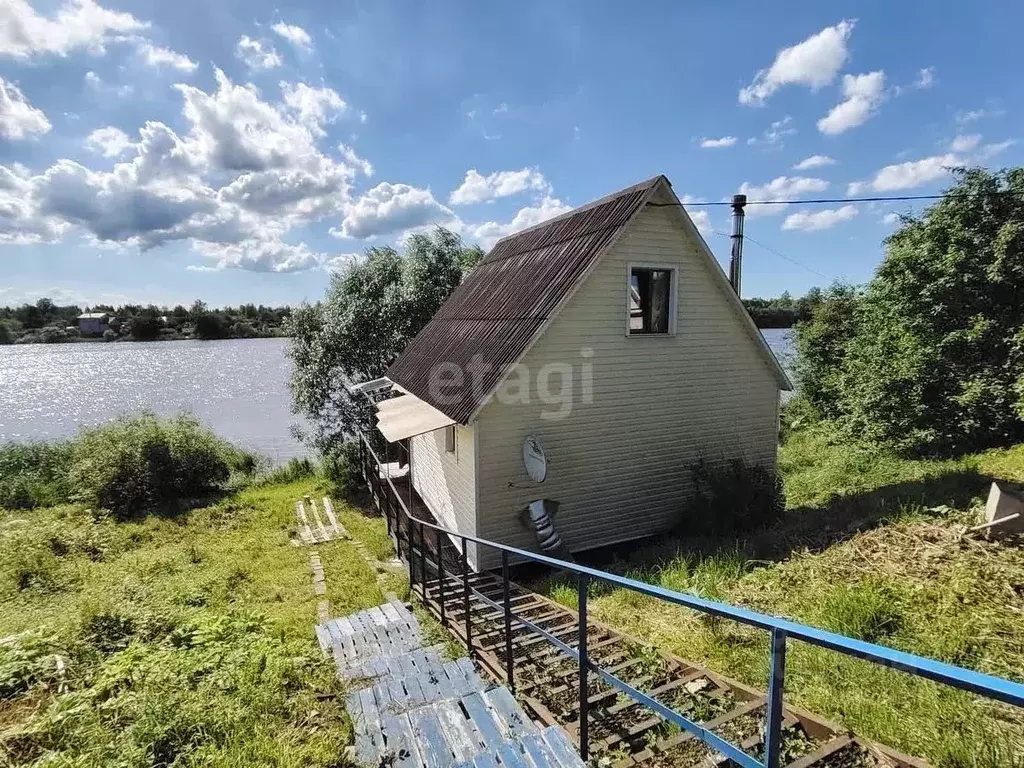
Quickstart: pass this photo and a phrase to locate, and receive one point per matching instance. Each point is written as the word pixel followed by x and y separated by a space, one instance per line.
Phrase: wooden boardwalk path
pixel 411 708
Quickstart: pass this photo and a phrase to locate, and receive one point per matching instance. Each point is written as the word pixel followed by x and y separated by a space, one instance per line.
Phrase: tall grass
pixel 34 474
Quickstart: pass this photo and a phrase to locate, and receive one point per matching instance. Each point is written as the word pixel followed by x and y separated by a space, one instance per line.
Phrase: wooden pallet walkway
pixel 412 708
pixel 317 522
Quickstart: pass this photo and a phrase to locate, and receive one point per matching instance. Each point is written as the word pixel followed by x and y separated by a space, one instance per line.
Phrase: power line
pixel 824 200
pixel 778 253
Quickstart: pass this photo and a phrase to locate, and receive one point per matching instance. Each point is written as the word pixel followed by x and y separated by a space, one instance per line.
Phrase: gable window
pixel 651 300
pixel 449 439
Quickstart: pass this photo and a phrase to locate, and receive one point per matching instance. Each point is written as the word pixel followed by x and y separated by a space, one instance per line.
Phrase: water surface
pixel 239 388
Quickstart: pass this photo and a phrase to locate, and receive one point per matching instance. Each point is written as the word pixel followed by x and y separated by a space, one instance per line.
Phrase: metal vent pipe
pixel 736 257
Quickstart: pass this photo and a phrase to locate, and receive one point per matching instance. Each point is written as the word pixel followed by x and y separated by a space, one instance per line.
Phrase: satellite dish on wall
pixel 534 460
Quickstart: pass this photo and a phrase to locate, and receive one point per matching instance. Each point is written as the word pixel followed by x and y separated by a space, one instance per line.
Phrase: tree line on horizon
pixel 47 322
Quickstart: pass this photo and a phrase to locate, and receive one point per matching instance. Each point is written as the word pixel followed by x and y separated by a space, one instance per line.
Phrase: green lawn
pixel 872 546
pixel 181 640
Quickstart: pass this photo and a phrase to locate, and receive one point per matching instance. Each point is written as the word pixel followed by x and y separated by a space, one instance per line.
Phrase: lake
pixel 239 388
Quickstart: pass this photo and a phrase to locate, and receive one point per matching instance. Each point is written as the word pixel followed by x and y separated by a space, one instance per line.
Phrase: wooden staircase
pixel 410 708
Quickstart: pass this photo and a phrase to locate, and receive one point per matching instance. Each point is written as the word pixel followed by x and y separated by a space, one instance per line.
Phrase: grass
pixel 872 546
pixel 171 640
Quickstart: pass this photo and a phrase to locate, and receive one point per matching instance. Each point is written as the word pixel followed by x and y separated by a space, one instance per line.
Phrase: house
pixel 590 361
pixel 93 323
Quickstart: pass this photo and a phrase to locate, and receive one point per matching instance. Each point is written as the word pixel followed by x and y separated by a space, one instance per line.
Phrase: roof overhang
pixel 406 416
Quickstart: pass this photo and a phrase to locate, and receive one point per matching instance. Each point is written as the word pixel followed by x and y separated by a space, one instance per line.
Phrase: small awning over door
pixel 406 416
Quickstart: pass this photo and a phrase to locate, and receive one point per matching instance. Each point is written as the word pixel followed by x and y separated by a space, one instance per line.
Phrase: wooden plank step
pixel 321 531
pixel 510 717
pixel 305 533
pixel 430 739
pixel 561 747
pixel 484 720
pixel 459 734
pixel 400 743
pixel 333 519
pixel 538 750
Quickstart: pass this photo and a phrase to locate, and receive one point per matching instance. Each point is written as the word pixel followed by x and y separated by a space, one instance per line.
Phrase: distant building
pixel 93 323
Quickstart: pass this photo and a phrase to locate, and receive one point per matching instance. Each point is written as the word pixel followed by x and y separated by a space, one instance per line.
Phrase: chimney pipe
pixel 736 258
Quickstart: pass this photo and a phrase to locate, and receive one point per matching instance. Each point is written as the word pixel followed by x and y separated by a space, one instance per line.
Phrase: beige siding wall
pixel 447 482
pixel 620 466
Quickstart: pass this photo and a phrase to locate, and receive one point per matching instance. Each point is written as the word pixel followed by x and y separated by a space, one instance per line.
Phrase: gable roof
pixel 493 318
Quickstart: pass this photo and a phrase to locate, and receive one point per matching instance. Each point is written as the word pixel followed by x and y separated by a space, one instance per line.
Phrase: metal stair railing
pixel 389 501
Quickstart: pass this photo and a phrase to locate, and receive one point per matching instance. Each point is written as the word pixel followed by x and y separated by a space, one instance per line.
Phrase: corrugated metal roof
pixel 491 319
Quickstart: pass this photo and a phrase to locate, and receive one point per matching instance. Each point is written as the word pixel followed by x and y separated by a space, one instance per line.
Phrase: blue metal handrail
pixel 781 629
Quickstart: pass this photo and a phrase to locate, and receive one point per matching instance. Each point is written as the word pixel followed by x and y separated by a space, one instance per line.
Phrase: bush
pixel 341 469
pixel 142 463
pixel 731 497
pixel 34 474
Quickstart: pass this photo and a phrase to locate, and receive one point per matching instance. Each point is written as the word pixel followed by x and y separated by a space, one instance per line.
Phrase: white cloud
pixel 816 221
pixel 295 35
pixel 698 216
pixel 965 143
pixel 20 223
pixel 815 62
pixel 77 24
pixel 488 233
pixel 18 118
pixel 725 141
pixel 355 161
pixel 972 115
pixel 388 209
pixel 340 262
pixel 165 57
pixel 814 161
pixel 779 188
pixel 261 256
pixel 257 54
pixel 314 106
pixel 988 151
pixel 244 175
pixel 775 133
pixel 925 78
pixel 476 188
pixel 96 83
pixel 109 141
pixel 891 219
pixel 913 173
pixel 862 96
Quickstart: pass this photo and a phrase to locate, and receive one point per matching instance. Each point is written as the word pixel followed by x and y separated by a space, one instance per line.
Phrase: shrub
pixel 34 474
pixel 141 463
pixel 341 469
pixel 731 497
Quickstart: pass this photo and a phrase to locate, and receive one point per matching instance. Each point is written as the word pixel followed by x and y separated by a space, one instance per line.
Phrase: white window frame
pixel 673 297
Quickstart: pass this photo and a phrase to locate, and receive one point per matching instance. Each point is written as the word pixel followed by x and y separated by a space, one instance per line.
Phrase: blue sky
pixel 238 151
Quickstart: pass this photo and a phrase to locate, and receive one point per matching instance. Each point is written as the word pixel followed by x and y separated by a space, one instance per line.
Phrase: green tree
pixel 821 343
pixel 371 309
pixel 145 325
pixel 933 362
pixel 206 324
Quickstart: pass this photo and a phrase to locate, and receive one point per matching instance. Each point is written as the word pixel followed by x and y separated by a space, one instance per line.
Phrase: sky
pixel 159 152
